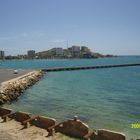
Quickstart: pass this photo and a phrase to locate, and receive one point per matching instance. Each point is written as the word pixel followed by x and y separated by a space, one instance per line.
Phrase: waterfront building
pixel 67 53
pixel 58 51
pixel 31 54
pixel 2 56
pixel 69 50
pixel 75 50
pixel 85 49
pixel 85 52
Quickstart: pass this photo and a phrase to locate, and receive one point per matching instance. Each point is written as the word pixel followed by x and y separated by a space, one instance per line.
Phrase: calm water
pixel 103 98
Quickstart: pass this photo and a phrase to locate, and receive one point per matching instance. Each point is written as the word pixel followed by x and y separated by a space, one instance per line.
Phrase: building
pixel 57 51
pixel 31 54
pixel 67 53
pixel 85 52
pixel 85 49
pixel 75 51
pixel 2 56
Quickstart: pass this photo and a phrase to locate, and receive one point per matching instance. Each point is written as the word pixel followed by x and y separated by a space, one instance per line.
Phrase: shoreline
pixel 72 129
pixel 22 122
pixel 11 89
pixel 20 77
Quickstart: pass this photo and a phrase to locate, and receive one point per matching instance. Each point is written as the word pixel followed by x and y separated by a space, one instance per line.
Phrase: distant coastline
pixel 74 52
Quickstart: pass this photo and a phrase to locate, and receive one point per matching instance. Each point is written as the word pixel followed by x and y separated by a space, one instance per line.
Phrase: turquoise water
pixel 103 98
pixel 38 64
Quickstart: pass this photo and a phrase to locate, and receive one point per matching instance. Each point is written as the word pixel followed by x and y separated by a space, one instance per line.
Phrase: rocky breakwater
pixel 12 89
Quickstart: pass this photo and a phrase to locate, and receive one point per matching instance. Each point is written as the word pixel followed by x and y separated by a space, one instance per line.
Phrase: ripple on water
pixel 106 98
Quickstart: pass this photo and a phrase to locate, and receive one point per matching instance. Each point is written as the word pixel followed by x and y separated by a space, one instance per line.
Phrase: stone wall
pixel 104 134
pixel 74 128
pixel 12 89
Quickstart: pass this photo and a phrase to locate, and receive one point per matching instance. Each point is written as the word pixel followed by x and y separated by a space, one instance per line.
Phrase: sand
pixel 13 130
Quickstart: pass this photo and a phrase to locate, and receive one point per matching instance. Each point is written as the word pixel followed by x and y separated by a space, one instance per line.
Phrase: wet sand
pixel 7 74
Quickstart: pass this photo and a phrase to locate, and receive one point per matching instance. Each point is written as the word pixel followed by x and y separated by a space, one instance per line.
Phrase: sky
pixel 105 26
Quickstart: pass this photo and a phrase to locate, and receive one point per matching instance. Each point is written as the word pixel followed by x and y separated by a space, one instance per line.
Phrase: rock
pixel 110 135
pixel 4 98
pixel 13 89
pixel 1 101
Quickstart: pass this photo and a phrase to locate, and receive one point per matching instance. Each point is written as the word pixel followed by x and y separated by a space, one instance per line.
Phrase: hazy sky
pixel 105 26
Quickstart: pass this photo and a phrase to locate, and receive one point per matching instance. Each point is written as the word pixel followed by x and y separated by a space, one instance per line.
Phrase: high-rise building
pixel 2 56
pixel 31 54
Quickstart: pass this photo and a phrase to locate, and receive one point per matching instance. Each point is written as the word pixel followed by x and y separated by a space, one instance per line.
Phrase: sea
pixel 102 98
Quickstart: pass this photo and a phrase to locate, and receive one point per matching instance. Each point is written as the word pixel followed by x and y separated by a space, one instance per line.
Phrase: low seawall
pixel 10 90
pixel 74 128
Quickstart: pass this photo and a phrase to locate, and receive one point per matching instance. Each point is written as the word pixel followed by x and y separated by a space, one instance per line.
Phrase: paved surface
pixel 7 74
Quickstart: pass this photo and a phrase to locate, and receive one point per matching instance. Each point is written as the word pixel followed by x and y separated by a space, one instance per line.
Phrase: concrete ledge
pixel 4 111
pixel 43 122
pixel 74 128
pixel 20 116
pixel 110 135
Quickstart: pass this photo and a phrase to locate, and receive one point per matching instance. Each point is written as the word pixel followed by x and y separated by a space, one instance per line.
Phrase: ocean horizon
pixel 102 98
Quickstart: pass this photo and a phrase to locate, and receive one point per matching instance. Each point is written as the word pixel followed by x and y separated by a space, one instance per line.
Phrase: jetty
pixel 88 67
pixel 10 90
